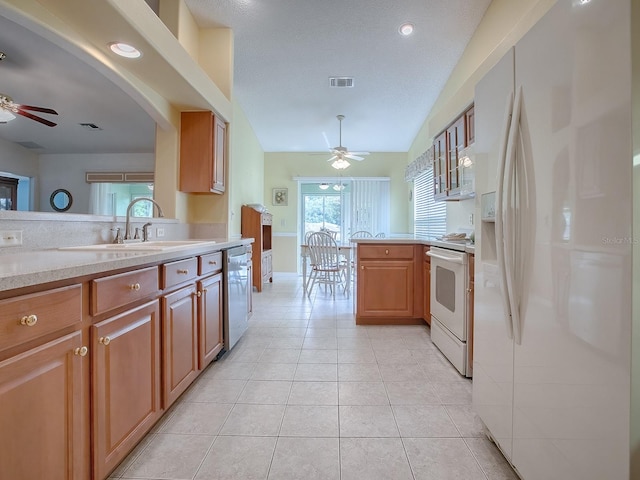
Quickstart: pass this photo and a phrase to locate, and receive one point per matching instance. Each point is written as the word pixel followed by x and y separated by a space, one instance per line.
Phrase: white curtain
pixel 101 199
pixel 370 206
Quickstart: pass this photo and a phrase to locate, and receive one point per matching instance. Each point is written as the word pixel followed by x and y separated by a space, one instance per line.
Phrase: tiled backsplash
pixel 51 230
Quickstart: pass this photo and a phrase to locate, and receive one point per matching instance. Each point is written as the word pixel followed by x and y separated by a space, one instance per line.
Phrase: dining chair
pixel 362 234
pixel 380 235
pixel 326 267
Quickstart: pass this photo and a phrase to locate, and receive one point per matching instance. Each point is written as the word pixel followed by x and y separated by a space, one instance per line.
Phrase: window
pixel 429 217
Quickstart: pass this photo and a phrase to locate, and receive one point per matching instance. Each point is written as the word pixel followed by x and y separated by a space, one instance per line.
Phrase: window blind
pixel 429 217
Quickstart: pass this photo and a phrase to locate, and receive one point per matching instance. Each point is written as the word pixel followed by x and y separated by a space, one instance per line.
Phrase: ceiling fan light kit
pixel 341 154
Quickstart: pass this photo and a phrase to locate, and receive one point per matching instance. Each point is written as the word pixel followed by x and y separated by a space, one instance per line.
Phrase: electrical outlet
pixel 159 232
pixel 10 238
pixel 471 219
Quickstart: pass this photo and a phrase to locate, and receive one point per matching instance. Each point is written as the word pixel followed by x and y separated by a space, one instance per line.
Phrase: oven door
pixel 448 289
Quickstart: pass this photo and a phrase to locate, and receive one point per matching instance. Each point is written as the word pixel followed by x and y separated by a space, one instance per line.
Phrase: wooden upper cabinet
pixel 450 171
pixel 203 150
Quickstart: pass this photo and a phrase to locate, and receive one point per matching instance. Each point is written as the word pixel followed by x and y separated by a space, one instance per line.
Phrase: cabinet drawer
pixel 175 273
pixel 210 263
pixel 118 290
pixel 27 317
pixel 380 252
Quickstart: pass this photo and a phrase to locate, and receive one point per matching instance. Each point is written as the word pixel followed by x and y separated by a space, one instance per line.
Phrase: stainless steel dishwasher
pixel 236 283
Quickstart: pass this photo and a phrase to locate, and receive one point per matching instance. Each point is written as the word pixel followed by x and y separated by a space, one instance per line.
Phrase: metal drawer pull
pixel 81 351
pixel 29 320
pixel 212 262
pixel 134 286
pixel 386 252
pixel 105 340
pixel 198 294
pixel 183 272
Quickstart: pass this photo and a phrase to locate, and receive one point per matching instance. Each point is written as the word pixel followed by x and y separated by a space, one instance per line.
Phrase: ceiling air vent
pixel 90 126
pixel 341 82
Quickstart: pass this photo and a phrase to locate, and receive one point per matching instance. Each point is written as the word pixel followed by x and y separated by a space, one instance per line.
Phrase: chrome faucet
pixel 127 227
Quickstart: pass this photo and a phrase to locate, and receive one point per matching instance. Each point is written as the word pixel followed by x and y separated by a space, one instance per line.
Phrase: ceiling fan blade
pixel 351 156
pixel 335 157
pixel 36 118
pixel 38 109
pixel 359 153
pixel 326 139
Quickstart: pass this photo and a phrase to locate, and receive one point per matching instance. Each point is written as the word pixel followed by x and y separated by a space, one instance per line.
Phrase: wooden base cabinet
pixel 179 342
pixel 426 289
pixel 42 412
pixel 210 319
pixel 126 383
pixel 387 282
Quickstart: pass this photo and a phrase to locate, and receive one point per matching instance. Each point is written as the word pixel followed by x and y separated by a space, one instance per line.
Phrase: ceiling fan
pixel 7 105
pixel 341 154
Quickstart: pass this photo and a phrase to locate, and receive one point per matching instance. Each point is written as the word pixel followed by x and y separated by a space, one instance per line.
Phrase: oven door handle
pixel 457 260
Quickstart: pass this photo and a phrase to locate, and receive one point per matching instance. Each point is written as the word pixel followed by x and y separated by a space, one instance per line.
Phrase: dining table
pixel 344 249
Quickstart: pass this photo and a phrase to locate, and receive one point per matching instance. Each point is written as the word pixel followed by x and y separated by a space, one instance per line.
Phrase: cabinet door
pixel 126 383
pixel 42 413
pixel 250 288
pixel 440 168
pixel 426 292
pixel 455 143
pixel 376 298
pixel 470 126
pixel 219 155
pixel 210 319
pixel 179 343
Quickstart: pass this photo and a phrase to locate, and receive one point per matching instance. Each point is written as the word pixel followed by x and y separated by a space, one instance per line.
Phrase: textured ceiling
pixel 286 50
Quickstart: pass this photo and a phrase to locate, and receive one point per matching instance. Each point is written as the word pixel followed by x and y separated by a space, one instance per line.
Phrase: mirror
pixel 61 200
pixel 99 126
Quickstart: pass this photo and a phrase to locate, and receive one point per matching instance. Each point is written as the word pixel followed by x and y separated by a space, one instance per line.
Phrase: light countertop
pixel 29 268
pixel 460 247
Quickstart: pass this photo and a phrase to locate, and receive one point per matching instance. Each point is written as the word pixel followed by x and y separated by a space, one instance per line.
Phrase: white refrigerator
pixel 553 287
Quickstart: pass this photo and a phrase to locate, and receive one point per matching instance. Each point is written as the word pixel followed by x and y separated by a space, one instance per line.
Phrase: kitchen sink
pixel 158 245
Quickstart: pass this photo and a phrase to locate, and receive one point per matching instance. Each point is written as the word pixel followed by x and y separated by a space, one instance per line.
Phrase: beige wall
pixel 246 168
pixel 279 171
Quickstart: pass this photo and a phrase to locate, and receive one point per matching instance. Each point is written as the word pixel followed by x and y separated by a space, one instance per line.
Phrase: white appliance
pixel 552 334
pixel 449 322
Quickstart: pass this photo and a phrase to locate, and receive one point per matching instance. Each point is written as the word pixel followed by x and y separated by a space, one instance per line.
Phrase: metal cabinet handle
pixel 386 252
pixel 134 286
pixel 212 262
pixel 198 294
pixel 183 272
pixel 361 267
pixel 105 340
pixel 81 351
pixel 29 320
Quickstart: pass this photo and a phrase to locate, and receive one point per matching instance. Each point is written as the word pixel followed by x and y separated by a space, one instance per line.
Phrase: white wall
pixel 68 172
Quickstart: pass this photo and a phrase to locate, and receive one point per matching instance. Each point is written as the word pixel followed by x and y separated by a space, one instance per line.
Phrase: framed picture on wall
pixel 280 197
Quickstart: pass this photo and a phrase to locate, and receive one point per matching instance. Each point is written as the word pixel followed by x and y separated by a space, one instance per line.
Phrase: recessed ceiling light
pixel 125 50
pixel 406 29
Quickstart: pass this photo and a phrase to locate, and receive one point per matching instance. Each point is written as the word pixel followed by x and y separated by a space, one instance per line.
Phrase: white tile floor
pixel 307 394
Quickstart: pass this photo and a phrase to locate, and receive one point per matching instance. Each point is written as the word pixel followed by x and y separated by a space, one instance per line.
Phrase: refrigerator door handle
pixel 500 248
pixel 511 232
